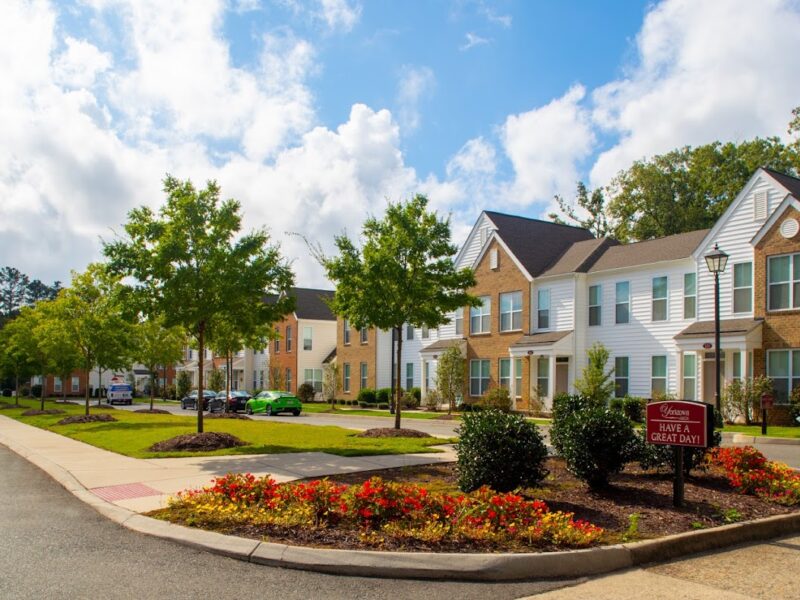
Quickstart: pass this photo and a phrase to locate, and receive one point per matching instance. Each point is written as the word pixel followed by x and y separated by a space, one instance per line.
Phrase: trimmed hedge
pixel 368 396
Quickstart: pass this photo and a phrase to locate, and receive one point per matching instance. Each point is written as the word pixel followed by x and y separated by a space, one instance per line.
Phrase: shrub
pixel 794 406
pixel 36 390
pixel 471 407
pixel 383 406
pixel 367 395
pixel 305 392
pixel 184 384
pixel 363 404
pixel 634 408
pixel 409 401
pixel 595 443
pixel 595 382
pixel 7 393
pixel 499 450
pixel 616 404
pixel 498 399
pixel 169 392
pixel 432 400
pixel 417 393
pixel 383 395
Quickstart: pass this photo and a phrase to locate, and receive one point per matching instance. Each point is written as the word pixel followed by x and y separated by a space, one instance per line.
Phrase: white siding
pixel 562 303
pixel 411 349
pixel 383 359
pixel 323 340
pixel 642 338
pixel 474 241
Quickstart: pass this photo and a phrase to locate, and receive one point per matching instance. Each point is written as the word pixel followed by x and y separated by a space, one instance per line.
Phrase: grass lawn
pixel 134 433
pixel 315 407
pixel 772 430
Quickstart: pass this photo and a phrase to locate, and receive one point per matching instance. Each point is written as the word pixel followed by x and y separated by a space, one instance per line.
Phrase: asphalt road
pixel 54 546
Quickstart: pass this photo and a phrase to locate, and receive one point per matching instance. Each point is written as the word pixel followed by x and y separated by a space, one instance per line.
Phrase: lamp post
pixel 716 261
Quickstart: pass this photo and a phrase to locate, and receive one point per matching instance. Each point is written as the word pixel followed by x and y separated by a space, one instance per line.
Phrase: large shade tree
pixel 403 273
pixel 156 345
pixel 189 263
pixel 16 361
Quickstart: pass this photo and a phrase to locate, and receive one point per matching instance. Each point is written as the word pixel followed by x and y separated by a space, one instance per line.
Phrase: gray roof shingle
pixel 790 182
pixel 672 247
pixel 726 327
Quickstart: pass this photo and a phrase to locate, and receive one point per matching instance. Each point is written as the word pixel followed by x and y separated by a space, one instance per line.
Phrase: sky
pixel 314 114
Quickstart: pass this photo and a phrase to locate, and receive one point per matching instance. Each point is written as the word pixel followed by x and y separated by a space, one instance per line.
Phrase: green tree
pixel 15 359
pixel 92 313
pixel 26 339
pixel 595 383
pixel 331 382
pixel 451 376
pixel 216 380
pixel 184 385
pixel 227 338
pixel 593 205
pixel 403 273
pixel 189 264
pixel 157 346
pixel 63 355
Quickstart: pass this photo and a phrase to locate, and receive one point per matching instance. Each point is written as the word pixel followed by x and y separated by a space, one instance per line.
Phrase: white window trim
pixel 653 300
pixel 480 377
pixel 685 296
pixel 500 362
pixel 546 378
pixel 511 312
pixel 346 378
pixel 346 332
pixel 685 378
pixel 486 304
pixel 75 384
pixel 628 322
pixel 792 256
pixel 599 305
pixel 666 372
pixel 309 339
pixel 791 376
pixel 548 309
pixel 627 377
pixel 751 286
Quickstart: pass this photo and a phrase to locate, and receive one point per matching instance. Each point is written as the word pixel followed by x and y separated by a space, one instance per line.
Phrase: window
pixel 689 295
pixel 505 373
pixel 658 375
pixel 689 376
pixel 737 365
pixel 783 367
pixel 426 369
pixel 57 384
pixel 783 277
pixel 363 382
pixel 76 384
pixel 595 305
pixel 478 377
pixel 743 287
pixel 511 311
pixel 364 333
pixel 659 299
pixel 314 377
pixel 288 380
pixel 277 339
pixel 409 376
pixel 621 376
pixel 480 316
pixel 459 321
pixel 517 377
pixel 409 332
pixel 261 379
pixel 346 332
pixel 308 334
pixel 346 377
pixel 543 376
pixel 191 353
pixel 622 311
pixel 425 333
pixel 543 309
pixel 288 338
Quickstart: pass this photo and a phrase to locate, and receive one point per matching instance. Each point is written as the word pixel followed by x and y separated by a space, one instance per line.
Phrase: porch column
pixel 512 382
pixel 422 387
pixel 745 363
pixel 551 379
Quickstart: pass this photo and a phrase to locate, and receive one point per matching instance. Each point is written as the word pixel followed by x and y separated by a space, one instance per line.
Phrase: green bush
pixel 367 395
pixel 170 392
pixel 417 393
pixel 657 456
pixel 498 399
pixel 305 392
pixel 384 395
pixel 184 385
pixel 595 443
pixel 500 450
pixel 616 404
pixel 634 408
pixel 383 406
pixel 794 406
pixel 471 407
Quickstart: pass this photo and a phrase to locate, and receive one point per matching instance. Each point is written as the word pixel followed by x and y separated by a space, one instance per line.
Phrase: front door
pixel 709 377
pixel 562 378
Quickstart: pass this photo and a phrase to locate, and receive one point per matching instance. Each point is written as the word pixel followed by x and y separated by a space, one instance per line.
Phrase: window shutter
pixel 760 205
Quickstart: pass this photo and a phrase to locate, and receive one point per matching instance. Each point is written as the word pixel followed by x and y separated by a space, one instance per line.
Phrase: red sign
pixel 767 400
pixel 678 423
pixel 708 346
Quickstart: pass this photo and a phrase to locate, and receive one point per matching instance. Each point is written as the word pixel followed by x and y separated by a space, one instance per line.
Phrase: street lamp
pixel 716 261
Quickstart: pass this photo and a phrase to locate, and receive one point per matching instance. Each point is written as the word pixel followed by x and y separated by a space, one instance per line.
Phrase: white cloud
pixel 80 63
pixel 545 146
pixel 472 41
pixel 415 83
pixel 339 15
pixel 245 6
pixel 722 70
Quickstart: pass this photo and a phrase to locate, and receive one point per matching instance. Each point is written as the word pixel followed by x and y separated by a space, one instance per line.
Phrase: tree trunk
pixel 86 388
pixel 153 375
pixel 16 390
pixel 398 388
pixel 41 391
pixel 64 388
pixel 99 383
pixel 201 330
pixel 228 378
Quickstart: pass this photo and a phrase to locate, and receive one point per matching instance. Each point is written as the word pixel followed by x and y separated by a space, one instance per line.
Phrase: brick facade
pixel 507 277
pixel 354 353
pixel 781 329
pixel 283 356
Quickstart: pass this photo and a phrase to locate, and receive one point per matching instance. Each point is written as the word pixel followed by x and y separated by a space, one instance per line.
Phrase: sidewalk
pixel 142 485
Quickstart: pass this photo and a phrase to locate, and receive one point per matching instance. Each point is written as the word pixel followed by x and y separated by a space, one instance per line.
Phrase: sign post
pixel 680 424
pixel 766 402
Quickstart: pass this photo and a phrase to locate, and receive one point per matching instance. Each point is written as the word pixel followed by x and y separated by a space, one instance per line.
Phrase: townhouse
pixel 550 291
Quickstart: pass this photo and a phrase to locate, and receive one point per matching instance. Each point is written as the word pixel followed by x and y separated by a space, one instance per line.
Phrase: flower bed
pixel 378 510
pixel 749 472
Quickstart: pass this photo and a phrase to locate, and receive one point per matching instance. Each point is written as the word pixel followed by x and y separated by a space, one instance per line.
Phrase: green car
pixel 273 402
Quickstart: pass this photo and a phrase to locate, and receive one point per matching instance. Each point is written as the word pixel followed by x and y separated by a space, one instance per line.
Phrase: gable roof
pixel 791 183
pixel 311 304
pixel 776 215
pixel 671 247
pixel 535 243
pixel 579 257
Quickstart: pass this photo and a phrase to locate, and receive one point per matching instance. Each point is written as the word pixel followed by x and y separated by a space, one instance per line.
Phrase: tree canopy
pixel 189 264
pixel 403 273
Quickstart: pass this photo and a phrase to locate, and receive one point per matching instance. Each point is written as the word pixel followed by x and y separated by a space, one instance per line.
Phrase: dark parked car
pixel 236 401
pixel 190 401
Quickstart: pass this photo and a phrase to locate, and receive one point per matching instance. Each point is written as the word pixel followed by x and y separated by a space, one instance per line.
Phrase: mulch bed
pixel 391 432
pixel 49 411
pixel 4 406
pixel 103 406
pixel 86 419
pixel 155 411
pixel 708 497
pixel 196 442
pixel 228 416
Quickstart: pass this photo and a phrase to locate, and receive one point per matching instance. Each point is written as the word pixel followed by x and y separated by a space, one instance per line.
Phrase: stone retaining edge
pixel 426 565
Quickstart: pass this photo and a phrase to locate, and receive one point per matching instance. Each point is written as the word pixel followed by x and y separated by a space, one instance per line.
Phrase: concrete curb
pixel 426 565
pixel 741 438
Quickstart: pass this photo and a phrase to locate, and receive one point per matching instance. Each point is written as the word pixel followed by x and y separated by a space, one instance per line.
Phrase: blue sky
pixel 314 113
